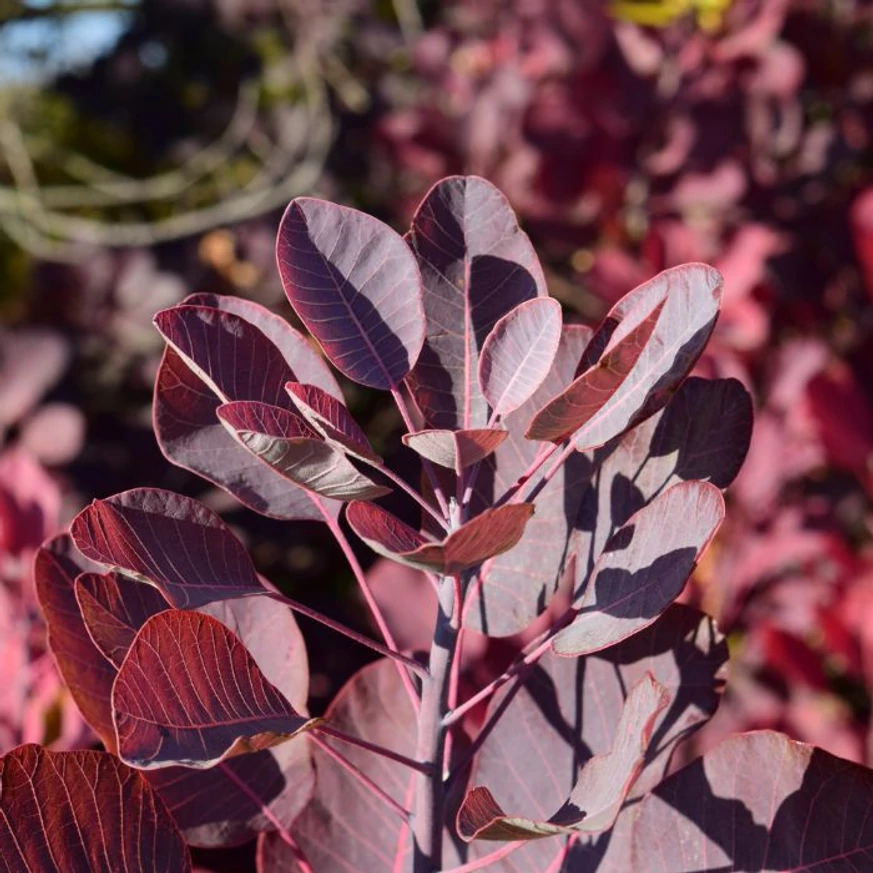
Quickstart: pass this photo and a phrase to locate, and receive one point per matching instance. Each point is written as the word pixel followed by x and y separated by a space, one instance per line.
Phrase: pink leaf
pixel 518 353
pixel 169 541
pixel 67 812
pixel 189 693
pixel 597 796
pixel 491 533
pixel 455 449
pixel 644 567
pixel 355 285
pixel 286 443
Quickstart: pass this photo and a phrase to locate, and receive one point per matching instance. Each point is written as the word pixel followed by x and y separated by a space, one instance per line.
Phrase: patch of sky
pixel 35 49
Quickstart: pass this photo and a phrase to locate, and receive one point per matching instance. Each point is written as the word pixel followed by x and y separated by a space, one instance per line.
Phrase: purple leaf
pixel 332 420
pixel 514 588
pixel 703 433
pixel 761 802
pixel 585 401
pixel 345 827
pixel 172 542
pixel 355 285
pixel 518 353
pixel 219 704
pixel 601 789
pixel 224 348
pixel 87 674
pixel 567 711
pixel 286 443
pixel 491 533
pixel 691 295
pixel 644 567
pixel 476 266
pixel 114 608
pixel 67 812
pixel 455 449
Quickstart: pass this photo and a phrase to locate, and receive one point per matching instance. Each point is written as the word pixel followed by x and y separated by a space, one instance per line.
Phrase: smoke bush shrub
pixel 571 480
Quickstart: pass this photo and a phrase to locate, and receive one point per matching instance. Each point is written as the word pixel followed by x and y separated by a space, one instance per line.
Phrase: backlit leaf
pixel 455 449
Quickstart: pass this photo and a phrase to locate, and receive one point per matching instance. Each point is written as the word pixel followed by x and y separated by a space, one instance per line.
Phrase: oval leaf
pixel 597 796
pixel 584 402
pixel 218 706
pixel 518 353
pixel 288 445
pixel 455 449
pixel 476 266
pixel 332 420
pixel 355 285
pixel 172 542
pixel 68 812
pixel 493 532
pixel 221 350
pixel 644 567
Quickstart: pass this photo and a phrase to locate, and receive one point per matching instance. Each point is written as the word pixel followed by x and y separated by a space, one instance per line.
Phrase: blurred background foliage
pixel 147 148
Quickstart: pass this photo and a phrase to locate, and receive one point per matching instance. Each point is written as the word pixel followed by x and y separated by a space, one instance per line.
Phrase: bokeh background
pixel 147 148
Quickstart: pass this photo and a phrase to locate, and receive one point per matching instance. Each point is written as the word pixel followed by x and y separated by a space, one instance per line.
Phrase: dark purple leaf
pixel 169 541
pixel 518 353
pixel 758 802
pixel 287 444
pixel 513 589
pixel 332 420
pixel 114 608
pixel 69 812
pixel 476 266
pixel 596 798
pixel 491 533
pixel 455 449
pixel 189 693
pixel 644 567
pixel 355 285
pixel 87 674
pixel 567 711
pixel 691 295
pixel 584 405
pixel 187 395
pixel 345 828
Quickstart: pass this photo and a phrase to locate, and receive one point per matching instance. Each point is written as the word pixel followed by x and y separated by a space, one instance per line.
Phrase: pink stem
pixel 421 767
pixel 367 593
pixel 286 837
pixel 405 487
pixel 559 859
pixel 487 860
pixel 511 494
pixel 362 777
pixel 348 632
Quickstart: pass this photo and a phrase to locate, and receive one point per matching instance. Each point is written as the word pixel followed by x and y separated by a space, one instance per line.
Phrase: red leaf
pixel 585 401
pixel 286 443
pixel 476 266
pixel 486 535
pixel 68 812
pixel 169 541
pixel 597 796
pixel 519 352
pixel 87 674
pixel 644 567
pixel 218 705
pixel 332 420
pixel 225 349
pixel 355 285
pixel 455 449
